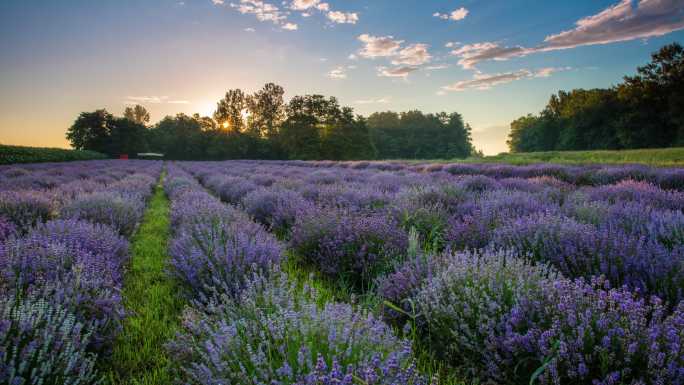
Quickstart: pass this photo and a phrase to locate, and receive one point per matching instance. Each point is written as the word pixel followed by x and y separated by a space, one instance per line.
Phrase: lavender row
pixel 249 323
pixel 494 316
pixel 500 313
pixel 86 190
pixel 586 175
pixel 353 223
pixel 61 275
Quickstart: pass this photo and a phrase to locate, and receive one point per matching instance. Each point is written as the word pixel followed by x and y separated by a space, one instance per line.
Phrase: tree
pixel 654 100
pixel 127 137
pixel 230 110
pixel 266 110
pixel 91 131
pixel 137 114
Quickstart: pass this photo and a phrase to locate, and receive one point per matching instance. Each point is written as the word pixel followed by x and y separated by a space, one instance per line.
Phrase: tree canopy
pixel 263 126
pixel 644 111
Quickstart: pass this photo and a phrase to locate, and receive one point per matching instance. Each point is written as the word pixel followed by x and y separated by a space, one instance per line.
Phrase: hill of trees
pixel 644 111
pixel 263 126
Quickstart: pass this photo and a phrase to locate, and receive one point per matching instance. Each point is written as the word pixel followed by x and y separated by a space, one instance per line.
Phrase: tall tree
pixel 230 110
pixel 137 114
pixel 654 100
pixel 127 137
pixel 91 131
pixel 266 110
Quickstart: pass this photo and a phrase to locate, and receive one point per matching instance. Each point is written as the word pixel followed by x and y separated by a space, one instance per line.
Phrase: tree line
pixel 263 126
pixel 644 111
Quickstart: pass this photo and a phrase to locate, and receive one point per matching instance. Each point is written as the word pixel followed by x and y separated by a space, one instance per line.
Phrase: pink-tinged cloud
pixel 624 21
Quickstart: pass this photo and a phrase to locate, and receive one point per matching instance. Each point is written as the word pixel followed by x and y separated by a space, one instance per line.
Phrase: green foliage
pixel 20 154
pixel 645 111
pixel 102 132
pixel 415 135
pixel 263 126
pixel 666 157
pixel 152 303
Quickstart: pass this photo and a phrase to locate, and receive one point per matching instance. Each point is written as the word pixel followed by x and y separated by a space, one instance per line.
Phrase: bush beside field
pixel 662 157
pixel 20 154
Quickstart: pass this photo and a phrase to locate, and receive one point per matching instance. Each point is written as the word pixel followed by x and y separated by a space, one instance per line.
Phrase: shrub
pixel 275 333
pixel 583 250
pixel 42 343
pixel 276 208
pixel 465 304
pixel 219 256
pixel 56 260
pixel 25 208
pixel 350 246
pixel 586 333
pixel 122 213
pixel 7 229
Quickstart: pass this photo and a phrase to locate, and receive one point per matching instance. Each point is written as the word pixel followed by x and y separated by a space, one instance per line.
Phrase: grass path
pixel 151 299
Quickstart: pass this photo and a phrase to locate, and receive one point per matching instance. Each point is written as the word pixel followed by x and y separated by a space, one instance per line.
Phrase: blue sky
pixel 492 61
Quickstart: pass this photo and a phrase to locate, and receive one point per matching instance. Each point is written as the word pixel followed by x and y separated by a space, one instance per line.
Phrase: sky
pixel 491 61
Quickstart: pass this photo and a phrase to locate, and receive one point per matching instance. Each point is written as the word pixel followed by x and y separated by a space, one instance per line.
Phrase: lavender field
pixel 294 272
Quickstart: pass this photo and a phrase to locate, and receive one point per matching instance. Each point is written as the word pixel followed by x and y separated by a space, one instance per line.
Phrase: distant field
pixel 20 154
pixel 654 157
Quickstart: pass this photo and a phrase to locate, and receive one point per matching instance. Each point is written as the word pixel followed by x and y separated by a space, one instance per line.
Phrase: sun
pixel 225 125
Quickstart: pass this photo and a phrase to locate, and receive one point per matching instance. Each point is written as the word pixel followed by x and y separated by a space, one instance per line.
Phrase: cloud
pixel 625 21
pixel 342 17
pixel 486 81
pixel 217 2
pixel 383 100
pixel 264 12
pixel 397 72
pixel 437 67
pixel 456 15
pixel 250 29
pixel 338 17
pixel 414 54
pixel 338 73
pixel 153 100
pixel 471 54
pixel 301 5
pixel 378 46
pixel 621 22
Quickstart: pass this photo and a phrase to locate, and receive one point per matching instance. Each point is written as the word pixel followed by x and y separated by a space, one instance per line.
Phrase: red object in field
pixel 123 156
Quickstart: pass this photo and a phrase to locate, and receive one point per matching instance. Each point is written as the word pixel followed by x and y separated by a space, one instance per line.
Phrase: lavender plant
pixel 275 333
pixel 43 343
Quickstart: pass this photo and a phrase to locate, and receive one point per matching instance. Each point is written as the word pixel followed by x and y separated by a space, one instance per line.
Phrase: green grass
pixel 661 157
pixel 151 299
pixel 20 154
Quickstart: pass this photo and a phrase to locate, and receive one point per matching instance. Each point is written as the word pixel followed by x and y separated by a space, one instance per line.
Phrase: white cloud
pixel 301 5
pixel 306 6
pixel 414 54
pixel 262 10
pixel 383 100
pixel 455 15
pixel 338 73
pixel 486 81
pixel 342 17
pixel 437 67
pixel 217 2
pixel 396 72
pixel 378 46
pixel 250 29
pixel 290 26
pixel 624 21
